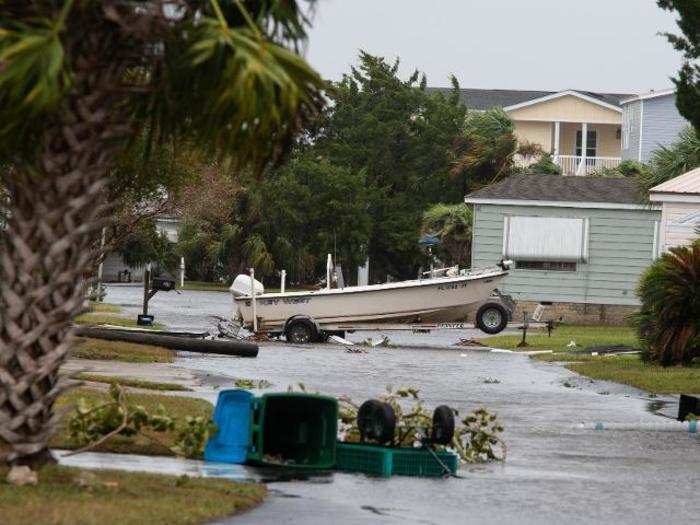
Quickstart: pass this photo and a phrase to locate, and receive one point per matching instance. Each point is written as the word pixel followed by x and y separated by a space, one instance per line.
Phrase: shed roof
pixel 490 98
pixel 688 183
pixel 564 189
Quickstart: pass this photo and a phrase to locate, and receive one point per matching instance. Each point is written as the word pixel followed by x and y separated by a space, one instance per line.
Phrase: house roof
pixel 688 183
pixel 503 98
pixel 565 190
pixel 650 94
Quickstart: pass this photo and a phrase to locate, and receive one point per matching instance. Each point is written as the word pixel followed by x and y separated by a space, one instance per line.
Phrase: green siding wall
pixel 620 247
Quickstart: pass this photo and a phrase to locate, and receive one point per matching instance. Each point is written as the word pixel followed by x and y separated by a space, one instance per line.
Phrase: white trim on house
pixel 674 197
pixel 655 244
pixel 560 94
pixel 651 94
pixel 641 130
pixel 563 204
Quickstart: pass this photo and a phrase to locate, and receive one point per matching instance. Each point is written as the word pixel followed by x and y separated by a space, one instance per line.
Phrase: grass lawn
pixel 176 406
pixel 92 319
pixel 204 286
pixel 70 495
pixel 584 336
pixel 104 308
pixel 134 383
pixel 120 351
pixel 631 370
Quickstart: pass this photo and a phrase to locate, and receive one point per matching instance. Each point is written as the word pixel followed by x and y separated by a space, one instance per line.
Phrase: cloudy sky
pixel 596 45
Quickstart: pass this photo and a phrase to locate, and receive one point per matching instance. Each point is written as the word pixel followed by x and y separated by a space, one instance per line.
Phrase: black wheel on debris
pixel 301 331
pixel 443 425
pixel 376 421
pixel 492 318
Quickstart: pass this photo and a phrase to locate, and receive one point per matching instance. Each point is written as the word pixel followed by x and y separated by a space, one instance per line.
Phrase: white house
pixel 680 209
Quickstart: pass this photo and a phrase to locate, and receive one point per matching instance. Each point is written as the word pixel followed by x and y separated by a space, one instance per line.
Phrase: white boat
pixel 437 300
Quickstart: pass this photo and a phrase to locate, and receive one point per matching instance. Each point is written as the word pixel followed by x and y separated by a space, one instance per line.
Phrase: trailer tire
pixel 376 421
pixel 301 331
pixel 443 425
pixel 492 318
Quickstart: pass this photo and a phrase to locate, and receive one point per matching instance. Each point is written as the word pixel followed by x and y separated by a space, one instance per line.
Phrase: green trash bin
pixel 294 430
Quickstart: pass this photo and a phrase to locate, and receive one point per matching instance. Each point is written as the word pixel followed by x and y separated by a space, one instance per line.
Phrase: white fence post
pixel 253 300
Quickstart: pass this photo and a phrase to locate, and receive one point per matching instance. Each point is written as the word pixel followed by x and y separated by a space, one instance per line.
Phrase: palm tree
pixel 669 319
pixel 452 224
pixel 79 80
pixel 667 163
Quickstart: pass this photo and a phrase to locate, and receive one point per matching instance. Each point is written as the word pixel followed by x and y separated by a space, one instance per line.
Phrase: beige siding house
pixel 680 209
pixel 581 130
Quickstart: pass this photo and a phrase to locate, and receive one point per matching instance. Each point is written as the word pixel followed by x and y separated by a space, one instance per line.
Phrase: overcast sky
pixel 595 45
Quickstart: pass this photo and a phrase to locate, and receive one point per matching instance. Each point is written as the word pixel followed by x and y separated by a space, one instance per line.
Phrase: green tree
pixel 544 164
pixel 145 245
pixel 401 136
pixel 452 224
pixel 80 80
pixel 484 151
pixel 311 208
pixel 669 319
pixel 688 80
pixel 667 163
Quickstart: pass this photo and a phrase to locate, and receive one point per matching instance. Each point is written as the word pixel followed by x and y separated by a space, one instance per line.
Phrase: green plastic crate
pixel 418 462
pixel 384 461
pixel 354 457
pixel 299 427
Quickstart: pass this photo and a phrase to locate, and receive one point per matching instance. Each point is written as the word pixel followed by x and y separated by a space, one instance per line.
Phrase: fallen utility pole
pixel 184 344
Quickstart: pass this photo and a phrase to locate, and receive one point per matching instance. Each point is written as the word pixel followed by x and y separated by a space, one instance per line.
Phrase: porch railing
pixel 574 165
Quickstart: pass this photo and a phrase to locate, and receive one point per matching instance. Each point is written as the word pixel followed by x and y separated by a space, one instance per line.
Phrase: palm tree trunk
pixel 48 246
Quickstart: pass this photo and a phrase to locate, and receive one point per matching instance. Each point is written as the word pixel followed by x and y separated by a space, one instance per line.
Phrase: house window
pixel 539 239
pixel 592 143
pixel 557 266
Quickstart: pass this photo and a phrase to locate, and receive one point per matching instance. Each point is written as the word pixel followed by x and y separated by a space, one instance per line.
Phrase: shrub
pixel 669 319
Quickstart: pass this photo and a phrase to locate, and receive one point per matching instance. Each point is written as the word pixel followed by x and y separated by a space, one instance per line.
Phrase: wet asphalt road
pixel 555 471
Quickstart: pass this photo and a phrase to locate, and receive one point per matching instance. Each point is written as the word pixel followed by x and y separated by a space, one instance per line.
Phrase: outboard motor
pixel 241 286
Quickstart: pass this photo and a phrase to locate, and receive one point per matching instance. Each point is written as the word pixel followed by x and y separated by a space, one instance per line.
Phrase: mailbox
pixel 162 285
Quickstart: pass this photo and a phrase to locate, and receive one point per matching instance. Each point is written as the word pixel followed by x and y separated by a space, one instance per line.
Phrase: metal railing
pixel 575 165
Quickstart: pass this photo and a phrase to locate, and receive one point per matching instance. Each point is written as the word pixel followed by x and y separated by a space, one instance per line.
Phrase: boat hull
pixel 436 300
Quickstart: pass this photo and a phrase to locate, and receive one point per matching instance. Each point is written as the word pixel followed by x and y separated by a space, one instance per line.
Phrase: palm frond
pixel 33 80
pixel 239 93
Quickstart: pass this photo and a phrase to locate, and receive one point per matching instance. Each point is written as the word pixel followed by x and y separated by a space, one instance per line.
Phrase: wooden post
pixel 182 272
pixel 557 130
pixel 146 287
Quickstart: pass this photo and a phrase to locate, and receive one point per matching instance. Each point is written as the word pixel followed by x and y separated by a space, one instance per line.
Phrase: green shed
pixel 579 243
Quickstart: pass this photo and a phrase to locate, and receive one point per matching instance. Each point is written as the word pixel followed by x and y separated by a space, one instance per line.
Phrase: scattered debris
pixel 572 344
pixel 470 341
pixel 611 349
pixel 604 393
pixel 341 340
pixel 251 384
pixel 383 341
pixel 476 438
pixel 492 381
pixel 567 384
pixel 356 350
pixel 86 480
pixel 22 475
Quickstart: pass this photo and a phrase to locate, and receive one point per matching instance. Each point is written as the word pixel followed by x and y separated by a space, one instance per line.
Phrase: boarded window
pixel 545 239
pixel 556 266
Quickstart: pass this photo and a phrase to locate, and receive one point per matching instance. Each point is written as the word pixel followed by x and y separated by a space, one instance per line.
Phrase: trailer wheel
pixel 376 421
pixel 300 332
pixel 491 318
pixel 443 425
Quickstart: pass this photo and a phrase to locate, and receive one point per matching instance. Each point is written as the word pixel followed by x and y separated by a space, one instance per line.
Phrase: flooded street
pixel 555 471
